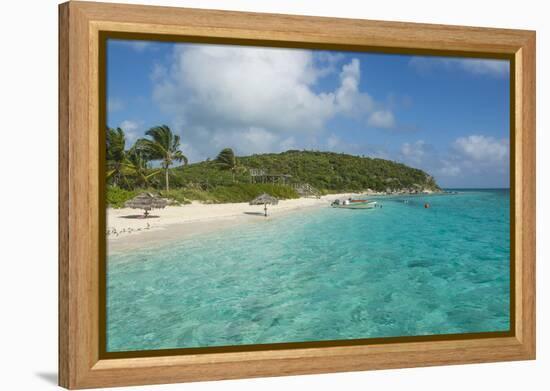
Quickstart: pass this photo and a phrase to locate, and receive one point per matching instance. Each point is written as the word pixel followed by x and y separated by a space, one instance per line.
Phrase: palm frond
pixel 226 159
pixel 162 145
pixel 180 157
pixel 152 174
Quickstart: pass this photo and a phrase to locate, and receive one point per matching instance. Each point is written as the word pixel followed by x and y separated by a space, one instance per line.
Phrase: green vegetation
pixel 226 160
pixel 164 146
pixel 138 166
pixel 116 154
pixel 245 192
pixel 327 171
pixel 229 178
pixel 116 197
pixel 242 192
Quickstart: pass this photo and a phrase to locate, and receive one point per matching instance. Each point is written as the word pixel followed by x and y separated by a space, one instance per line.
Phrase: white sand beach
pixel 126 228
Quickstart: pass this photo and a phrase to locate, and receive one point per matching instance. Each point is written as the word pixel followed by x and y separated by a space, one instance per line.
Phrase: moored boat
pixel 354 204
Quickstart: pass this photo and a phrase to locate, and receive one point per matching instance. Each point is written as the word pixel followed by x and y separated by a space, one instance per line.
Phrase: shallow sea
pixel 321 274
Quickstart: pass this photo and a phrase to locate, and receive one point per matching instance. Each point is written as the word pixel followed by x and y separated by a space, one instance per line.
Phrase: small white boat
pixel 354 204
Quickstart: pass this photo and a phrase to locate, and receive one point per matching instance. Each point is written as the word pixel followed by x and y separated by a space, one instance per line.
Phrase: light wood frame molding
pixel 80 24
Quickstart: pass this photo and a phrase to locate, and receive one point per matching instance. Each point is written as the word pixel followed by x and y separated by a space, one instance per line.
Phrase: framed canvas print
pixel 248 195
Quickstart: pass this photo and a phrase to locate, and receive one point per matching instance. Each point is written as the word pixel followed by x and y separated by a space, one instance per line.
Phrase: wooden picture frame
pixel 81 25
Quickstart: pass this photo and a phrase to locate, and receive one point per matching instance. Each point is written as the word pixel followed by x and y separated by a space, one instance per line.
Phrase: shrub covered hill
pixel 148 165
pixel 286 175
pixel 327 172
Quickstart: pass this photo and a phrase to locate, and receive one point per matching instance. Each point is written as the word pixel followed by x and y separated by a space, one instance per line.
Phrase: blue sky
pixel 447 116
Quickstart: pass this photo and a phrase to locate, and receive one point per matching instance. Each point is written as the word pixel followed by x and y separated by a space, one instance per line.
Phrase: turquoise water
pixel 321 274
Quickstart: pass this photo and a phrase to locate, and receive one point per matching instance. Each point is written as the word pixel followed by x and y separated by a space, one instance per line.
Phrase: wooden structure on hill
pixel 260 175
pixel 306 190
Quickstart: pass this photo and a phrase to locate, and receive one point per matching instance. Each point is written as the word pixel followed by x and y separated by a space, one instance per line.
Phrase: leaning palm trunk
pixel 166 179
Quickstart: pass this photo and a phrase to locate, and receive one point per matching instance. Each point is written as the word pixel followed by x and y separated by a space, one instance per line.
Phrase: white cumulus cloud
pixel 130 130
pixel 253 98
pixel 414 152
pixel 382 119
pixel 484 67
pixel 448 168
pixel 482 148
pixel 474 159
pixel 476 66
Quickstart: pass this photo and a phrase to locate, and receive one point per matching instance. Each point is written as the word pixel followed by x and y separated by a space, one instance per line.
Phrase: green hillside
pixel 156 164
pixel 326 171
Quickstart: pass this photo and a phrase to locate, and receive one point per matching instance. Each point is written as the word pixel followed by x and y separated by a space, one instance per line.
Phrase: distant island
pixel 229 178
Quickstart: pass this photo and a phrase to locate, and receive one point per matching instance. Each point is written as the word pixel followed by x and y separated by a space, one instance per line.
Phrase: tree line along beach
pixel 218 191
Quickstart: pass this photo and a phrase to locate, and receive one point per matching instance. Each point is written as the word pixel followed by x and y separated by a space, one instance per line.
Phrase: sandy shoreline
pixel 125 228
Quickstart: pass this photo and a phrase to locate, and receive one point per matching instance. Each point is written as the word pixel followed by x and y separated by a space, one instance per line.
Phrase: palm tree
pixel 138 166
pixel 116 154
pixel 226 160
pixel 164 146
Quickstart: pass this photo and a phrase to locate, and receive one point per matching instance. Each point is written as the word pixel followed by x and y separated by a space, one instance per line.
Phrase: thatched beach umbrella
pixel 264 200
pixel 146 201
